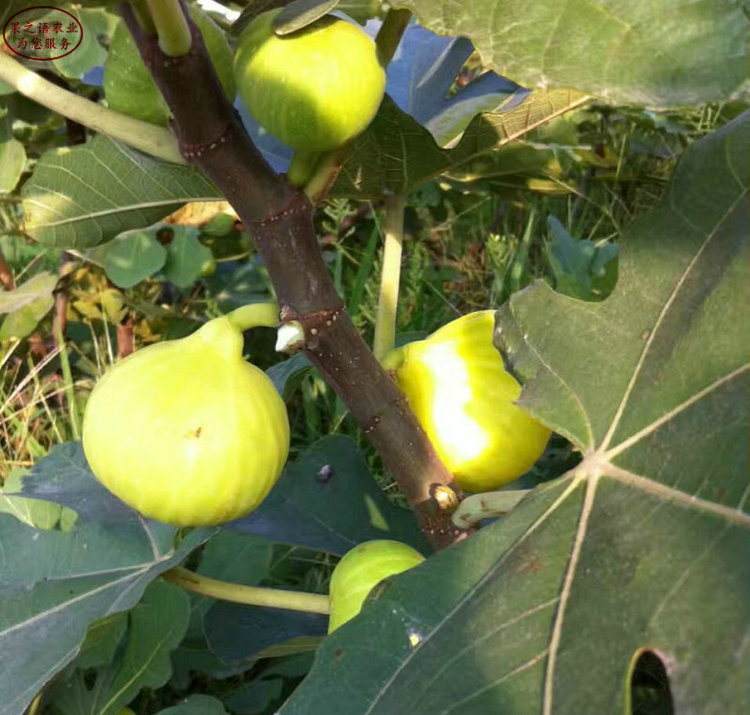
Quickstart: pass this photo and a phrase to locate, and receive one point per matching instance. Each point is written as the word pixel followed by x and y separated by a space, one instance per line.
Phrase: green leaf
pixel 196 705
pixel 625 52
pixel 55 584
pixel 395 153
pixel 186 257
pixel 645 544
pixel 12 163
pixel 240 558
pixel 255 697
pixel 328 500
pixel 82 196
pixel 97 23
pixel 298 14
pixel 26 305
pixel 288 374
pixel 102 640
pixel 582 269
pixel 132 256
pixel 40 514
pixel 156 626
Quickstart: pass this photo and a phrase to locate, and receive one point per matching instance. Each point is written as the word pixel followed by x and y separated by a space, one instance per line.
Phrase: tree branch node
pixel 197 151
pixel 298 204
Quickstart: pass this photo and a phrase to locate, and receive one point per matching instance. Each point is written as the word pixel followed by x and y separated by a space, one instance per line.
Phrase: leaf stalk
pixel 248 595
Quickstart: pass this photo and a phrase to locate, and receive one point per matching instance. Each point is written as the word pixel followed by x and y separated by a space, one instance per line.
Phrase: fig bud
pixel 185 431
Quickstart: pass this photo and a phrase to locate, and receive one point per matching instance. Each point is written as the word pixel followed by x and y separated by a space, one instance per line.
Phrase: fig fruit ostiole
pixel 458 388
pixel 360 570
pixel 186 431
pixel 314 89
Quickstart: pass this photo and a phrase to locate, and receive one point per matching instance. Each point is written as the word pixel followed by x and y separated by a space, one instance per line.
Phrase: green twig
pixel 70 396
pixel 486 506
pixel 144 136
pixel 385 324
pixel 249 595
pixel 255 315
pixel 171 27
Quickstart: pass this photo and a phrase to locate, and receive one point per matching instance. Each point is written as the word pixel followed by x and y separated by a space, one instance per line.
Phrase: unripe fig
pixel 464 398
pixel 313 89
pixel 361 570
pixel 185 431
pixel 127 83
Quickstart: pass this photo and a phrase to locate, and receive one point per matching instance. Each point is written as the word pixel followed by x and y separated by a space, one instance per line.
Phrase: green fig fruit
pixel 360 570
pixel 127 83
pixel 464 398
pixel 313 89
pixel 185 431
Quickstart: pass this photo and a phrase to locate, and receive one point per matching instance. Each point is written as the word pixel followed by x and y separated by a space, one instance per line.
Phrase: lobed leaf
pixel 644 546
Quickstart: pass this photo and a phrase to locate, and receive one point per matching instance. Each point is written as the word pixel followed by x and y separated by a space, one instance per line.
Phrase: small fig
pixel 360 570
pixel 313 89
pixel 464 398
pixel 185 431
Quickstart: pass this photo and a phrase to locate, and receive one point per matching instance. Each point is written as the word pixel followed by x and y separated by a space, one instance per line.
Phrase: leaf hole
pixel 650 693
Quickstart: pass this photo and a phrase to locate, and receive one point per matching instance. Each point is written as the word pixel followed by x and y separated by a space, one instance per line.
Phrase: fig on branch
pixel 185 431
pixel 313 89
pixel 127 83
pixel 360 570
pixel 462 395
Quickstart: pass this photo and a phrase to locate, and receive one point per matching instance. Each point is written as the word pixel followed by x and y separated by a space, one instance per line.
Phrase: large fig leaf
pixel 395 153
pixel 645 545
pixel 80 197
pixel 53 584
pixel 156 625
pixel 653 53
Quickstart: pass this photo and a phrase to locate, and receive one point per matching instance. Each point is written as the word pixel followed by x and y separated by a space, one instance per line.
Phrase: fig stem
pixel 171 26
pixel 142 14
pixel 302 167
pixel 385 323
pixel 249 595
pixel 144 136
pixel 255 315
pixel 486 506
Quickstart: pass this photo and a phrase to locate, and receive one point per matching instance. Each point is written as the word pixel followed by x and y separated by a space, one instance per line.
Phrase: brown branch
pixel 280 221
pixel 6 274
pixel 125 337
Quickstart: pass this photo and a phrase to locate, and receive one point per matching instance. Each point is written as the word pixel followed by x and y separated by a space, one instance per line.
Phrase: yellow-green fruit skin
pixel 314 89
pixel 361 570
pixel 187 432
pixel 462 395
